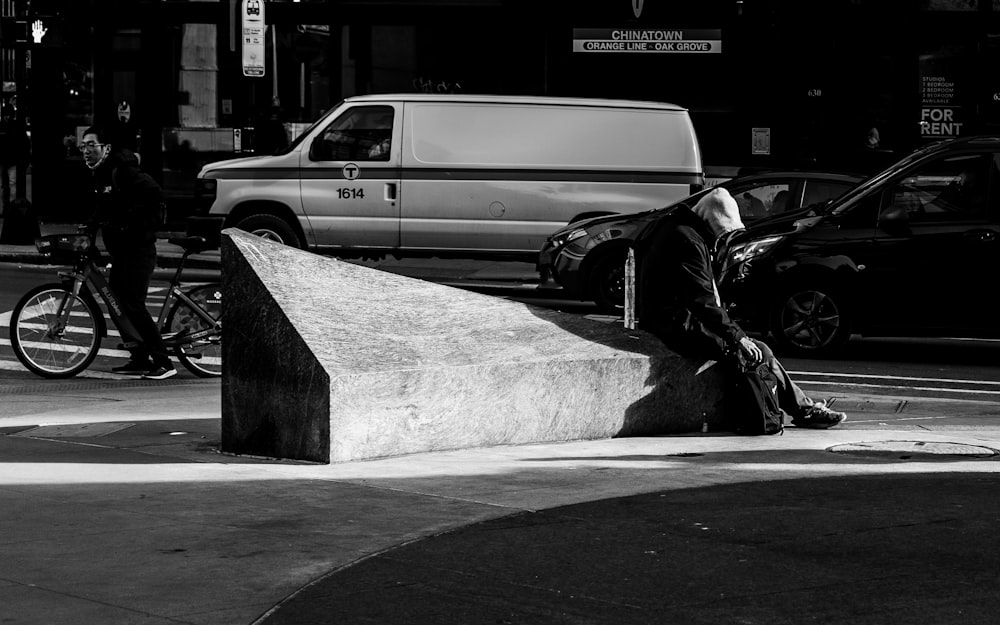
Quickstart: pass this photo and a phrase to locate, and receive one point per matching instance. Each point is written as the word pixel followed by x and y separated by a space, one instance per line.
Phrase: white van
pixel 469 176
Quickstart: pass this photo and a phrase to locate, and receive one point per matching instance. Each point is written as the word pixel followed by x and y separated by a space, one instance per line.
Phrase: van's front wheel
pixel 271 228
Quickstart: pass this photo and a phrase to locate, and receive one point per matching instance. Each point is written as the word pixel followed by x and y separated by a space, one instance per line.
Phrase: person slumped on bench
pixel 678 299
pixel 127 210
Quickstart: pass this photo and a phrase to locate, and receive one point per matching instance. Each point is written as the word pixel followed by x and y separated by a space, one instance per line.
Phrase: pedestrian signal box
pixel 45 31
pixel 38 31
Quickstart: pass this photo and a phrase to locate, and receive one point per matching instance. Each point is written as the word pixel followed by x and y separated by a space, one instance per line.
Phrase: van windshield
pixel 305 133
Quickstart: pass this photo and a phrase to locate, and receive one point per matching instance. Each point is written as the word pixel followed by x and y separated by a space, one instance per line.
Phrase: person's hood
pixel 719 211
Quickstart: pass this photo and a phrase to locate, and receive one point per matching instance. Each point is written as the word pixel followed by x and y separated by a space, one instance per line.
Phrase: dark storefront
pixel 769 82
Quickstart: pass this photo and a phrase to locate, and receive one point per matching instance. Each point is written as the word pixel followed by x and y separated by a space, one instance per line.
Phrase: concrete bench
pixel 329 361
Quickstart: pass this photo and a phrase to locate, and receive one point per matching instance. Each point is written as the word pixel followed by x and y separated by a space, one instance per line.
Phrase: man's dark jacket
pixel 128 205
pixel 676 295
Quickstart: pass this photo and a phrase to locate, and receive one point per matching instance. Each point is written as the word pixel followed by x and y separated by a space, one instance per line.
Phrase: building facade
pixel 769 83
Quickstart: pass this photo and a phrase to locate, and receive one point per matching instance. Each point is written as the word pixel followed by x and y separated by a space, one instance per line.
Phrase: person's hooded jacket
pixel 677 297
pixel 128 205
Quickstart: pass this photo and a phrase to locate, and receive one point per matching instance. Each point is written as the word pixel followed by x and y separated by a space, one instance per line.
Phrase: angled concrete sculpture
pixel 328 361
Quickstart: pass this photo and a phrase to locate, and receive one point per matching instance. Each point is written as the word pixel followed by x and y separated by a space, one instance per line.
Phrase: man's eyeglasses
pixel 90 145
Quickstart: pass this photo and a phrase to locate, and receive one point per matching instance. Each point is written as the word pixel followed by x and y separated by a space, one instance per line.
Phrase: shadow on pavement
pixel 886 549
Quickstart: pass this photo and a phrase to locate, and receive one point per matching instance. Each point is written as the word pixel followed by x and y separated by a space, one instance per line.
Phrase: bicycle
pixel 56 329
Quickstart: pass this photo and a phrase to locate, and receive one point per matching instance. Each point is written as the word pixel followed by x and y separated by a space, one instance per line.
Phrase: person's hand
pixel 749 352
pixel 38 31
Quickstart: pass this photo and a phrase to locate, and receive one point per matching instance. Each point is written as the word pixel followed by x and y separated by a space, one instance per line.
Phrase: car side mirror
pixel 894 220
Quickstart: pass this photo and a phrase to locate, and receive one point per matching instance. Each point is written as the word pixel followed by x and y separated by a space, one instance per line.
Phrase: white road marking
pixel 109 353
pixel 938 389
pixel 893 377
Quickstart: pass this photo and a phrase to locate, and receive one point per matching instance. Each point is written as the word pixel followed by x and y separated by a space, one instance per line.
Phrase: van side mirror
pixel 894 220
pixel 319 150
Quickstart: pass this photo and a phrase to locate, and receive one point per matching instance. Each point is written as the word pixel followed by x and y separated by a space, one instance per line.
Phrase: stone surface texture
pixel 329 361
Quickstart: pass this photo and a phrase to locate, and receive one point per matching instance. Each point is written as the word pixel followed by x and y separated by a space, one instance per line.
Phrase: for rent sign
pixel 940 109
pixel 650 40
pixel 939 122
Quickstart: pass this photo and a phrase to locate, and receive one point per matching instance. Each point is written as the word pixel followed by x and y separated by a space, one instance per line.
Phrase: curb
pixel 162 261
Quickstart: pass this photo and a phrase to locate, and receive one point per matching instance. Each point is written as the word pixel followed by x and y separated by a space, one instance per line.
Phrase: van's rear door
pixel 350 178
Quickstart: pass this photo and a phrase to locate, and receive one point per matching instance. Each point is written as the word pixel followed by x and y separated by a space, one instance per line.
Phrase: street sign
pixel 253 38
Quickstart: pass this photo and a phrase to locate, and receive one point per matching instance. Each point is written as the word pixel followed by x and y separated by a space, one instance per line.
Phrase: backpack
pixel 754 408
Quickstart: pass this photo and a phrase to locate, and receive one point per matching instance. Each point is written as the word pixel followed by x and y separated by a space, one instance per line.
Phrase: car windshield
pixel 844 200
pixel 818 208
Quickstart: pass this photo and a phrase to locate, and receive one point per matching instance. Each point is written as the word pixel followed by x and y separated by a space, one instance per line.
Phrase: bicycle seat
pixel 192 244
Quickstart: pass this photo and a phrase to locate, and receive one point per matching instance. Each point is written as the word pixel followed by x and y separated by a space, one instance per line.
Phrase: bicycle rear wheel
pixel 45 343
pixel 201 356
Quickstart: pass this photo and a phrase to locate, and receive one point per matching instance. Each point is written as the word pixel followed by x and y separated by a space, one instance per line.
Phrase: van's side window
pixel 363 133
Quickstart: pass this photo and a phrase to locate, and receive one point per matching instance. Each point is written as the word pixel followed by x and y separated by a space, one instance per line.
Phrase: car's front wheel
pixel 811 319
pixel 607 282
pixel 270 227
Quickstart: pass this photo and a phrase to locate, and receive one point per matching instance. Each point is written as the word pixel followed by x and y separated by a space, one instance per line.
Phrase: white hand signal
pixel 38 31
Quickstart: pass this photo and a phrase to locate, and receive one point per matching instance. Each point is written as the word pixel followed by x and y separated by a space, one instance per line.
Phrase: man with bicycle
pixel 127 210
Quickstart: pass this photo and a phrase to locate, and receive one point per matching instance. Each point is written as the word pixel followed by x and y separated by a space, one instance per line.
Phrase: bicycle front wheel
pixel 202 355
pixel 51 344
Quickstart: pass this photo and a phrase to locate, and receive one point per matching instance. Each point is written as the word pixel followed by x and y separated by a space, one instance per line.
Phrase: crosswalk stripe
pixel 70 329
pixel 109 353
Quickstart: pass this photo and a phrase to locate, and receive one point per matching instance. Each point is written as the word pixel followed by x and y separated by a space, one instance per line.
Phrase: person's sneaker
pixel 133 367
pixel 819 417
pixel 160 373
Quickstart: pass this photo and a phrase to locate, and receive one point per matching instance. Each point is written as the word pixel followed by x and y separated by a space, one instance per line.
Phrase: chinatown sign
pixel 647 40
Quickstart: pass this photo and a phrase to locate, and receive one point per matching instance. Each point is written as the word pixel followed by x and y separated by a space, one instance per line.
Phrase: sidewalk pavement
pixel 119 508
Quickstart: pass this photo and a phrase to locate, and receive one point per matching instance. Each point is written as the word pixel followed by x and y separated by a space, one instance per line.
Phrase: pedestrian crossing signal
pixel 45 31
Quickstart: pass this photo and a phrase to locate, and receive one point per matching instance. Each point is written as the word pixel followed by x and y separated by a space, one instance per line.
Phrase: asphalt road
pixel 942 368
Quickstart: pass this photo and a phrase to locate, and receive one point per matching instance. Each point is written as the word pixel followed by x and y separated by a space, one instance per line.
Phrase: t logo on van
pixel 351 171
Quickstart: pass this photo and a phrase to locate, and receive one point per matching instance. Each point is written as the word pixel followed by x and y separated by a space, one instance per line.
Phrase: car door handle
pixel 390 192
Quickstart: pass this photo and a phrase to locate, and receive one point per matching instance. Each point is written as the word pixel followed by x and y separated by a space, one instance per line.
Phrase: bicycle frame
pixel 85 271
pixel 175 292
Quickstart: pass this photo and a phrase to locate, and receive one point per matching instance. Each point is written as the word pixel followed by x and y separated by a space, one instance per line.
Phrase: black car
pixel 587 258
pixel 909 252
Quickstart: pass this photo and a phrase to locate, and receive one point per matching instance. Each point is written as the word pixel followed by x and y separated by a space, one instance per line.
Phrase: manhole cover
pixel 915 450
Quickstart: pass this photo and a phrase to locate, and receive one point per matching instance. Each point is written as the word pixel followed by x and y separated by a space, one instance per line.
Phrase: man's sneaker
pixel 819 417
pixel 133 367
pixel 160 373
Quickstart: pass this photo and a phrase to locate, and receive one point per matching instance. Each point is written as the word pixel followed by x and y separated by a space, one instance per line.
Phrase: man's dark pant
pixel 790 397
pixel 129 280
